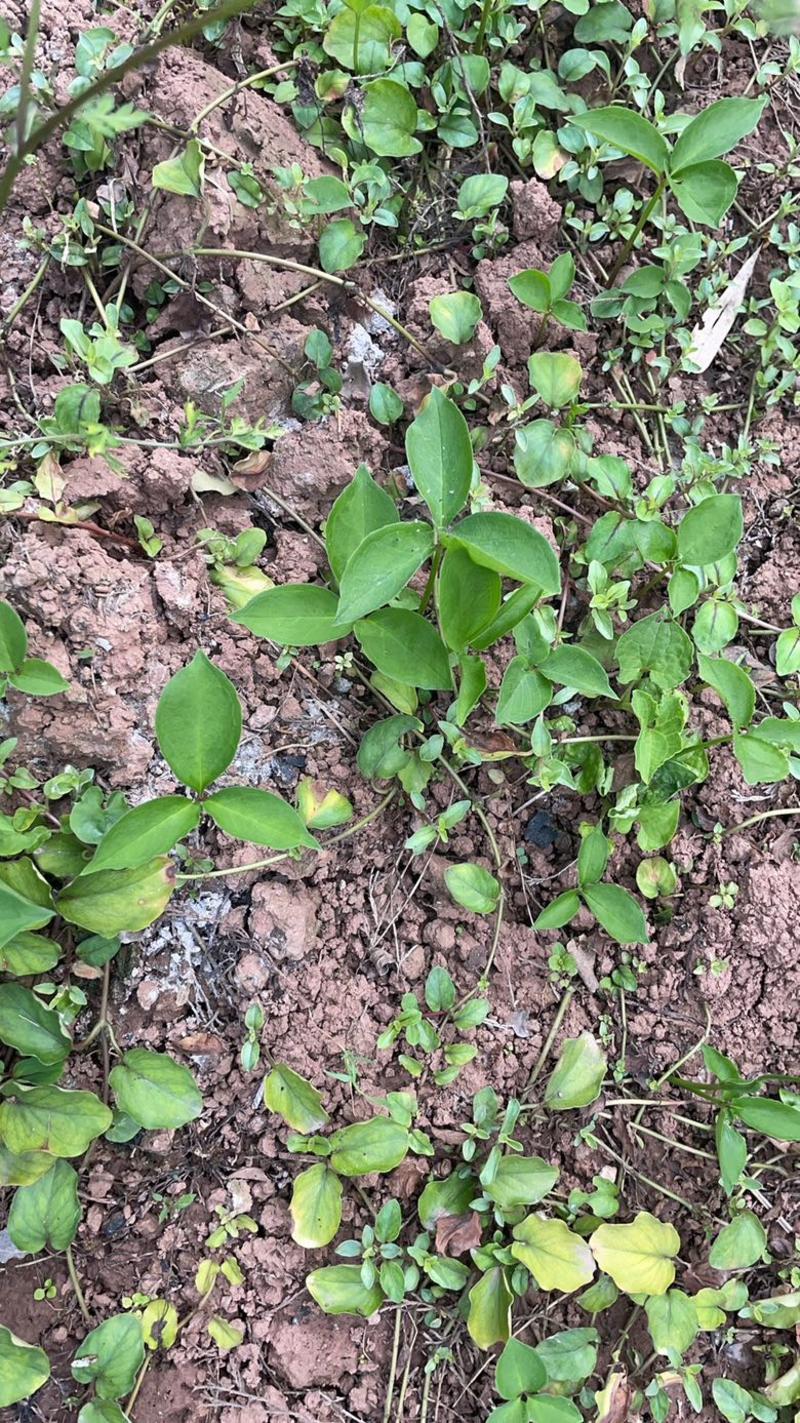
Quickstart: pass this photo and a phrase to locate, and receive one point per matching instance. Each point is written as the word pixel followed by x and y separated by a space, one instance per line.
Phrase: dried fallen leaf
pixel 709 334
pixel 456 1234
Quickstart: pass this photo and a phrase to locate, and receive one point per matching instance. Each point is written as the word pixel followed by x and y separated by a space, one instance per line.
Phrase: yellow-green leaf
pixel 639 1256
pixel 557 1258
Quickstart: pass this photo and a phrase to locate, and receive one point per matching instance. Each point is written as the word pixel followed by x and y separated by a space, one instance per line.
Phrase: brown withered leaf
pixel 406 1178
pixel 616 1399
pixel 456 1234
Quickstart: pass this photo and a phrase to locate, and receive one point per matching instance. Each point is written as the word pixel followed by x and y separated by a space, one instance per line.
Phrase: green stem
pixel 765 815
pixel 76 1285
pixel 486 11
pixel 631 242
pixel 276 859
pixel 21 301
pixel 431 583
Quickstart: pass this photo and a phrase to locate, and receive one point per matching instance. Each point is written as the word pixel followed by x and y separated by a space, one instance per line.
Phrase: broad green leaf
pixel 385 404
pixel 556 377
pixel 762 763
pixel 102 1410
pixel 731 1151
pixel 456 315
pixel 450 1196
pixel 578 1075
pixel 225 1334
pixel 17 915
pixel 787 653
pixel 618 912
pixel 519 1370
pixel 111 1356
pixel 740 1244
pixel 23 1168
pixel 157 1092
pixel 294 1099
pixel 377 1145
pixel 490 1300
pixel 781 1311
pixel 23 1368
pixel 183 174
pixel 735 1403
pixel 472 685
pixel 406 647
pixel 683 591
pixel 341 244
pixel 339 1289
pixel 705 191
pixel 259 817
pixel 716 130
pixel 379 567
pixel 521 1181
pixel 543 453
pixel 198 723
pixel 28 955
pixel 380 755
pixel 294 615
pixel 322 809
pixel 118 901
pixel 468 597
pixel 673 1323
pixel 556 1257
pixel 38 678
pixel 629 132
pixel 361 508
pixel 32 1029
pixel 47 1212
pixel 575 667
pixel 710 530
pixel 360 37
pixel 543 1408
pixel 388 119
pixel 532 288
pixel 524 693
pixel 316 1207
pixel 510 547
pixel 143 833
pixel 657 647
pixel 480 193
pixel 638 1257
pixel 439 453
pixel 423 35
pixel 52 1119
pixel 662 721
pixel 559 912
pixel 472 887
pixel 570 1356
pixel 780 731
pixel 764 1114
pixel 716 624
pixel 732 684
pixel 13 639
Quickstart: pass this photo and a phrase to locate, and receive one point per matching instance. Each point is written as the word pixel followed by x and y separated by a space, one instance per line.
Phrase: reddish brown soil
pixel 328 945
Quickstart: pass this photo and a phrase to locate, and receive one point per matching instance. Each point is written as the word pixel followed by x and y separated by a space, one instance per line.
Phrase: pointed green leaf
pixel 618 912
pixel 52 1119
pixel 294 615
pixel 439 453
pixel 143 833
pixel 361 508
pixel 23 1368
pixel 118 901
pixel 627 131
pixel 259 817
pixel 154 1090
pixel 339 1289
pixel 316 1207
pixel 519 1370
pixel 406 647
pixel 13 639
pixel 198 723
pixel 27 1025
pixel 111 1356
pixel 489 1319
pixel 294 1099
pixel 377 1145
pixel 380 567
pixel 578 1075
pixel 739 1244
pixel 716 130
pixel 47 1212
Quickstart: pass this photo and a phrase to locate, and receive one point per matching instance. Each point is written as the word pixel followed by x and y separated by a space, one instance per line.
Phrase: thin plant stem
pixel 76 1285
pixel 21 302
pixel 765 815
pixel 140 1378
pixel 631 242
pixel 549 1040
pixel 28 57
pixel 398 1324
pixel 237 89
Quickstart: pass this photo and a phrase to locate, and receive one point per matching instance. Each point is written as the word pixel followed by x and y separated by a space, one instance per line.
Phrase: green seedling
pixel 426 1035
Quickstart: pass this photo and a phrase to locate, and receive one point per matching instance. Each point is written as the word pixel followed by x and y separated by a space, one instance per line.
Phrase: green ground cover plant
pixel 427 588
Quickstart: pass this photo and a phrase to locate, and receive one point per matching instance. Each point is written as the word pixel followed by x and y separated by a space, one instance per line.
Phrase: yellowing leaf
pixel 557 1259
pixel 638 1256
